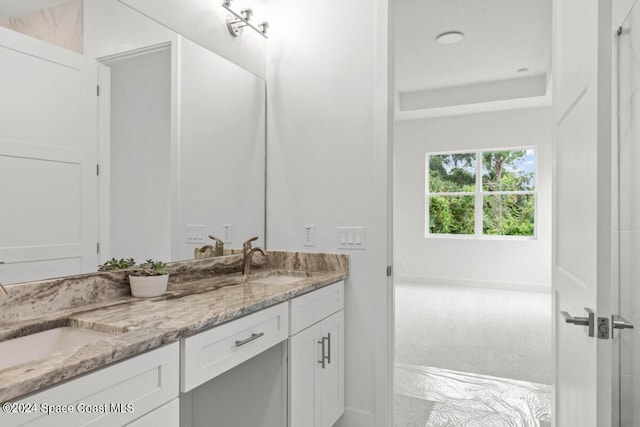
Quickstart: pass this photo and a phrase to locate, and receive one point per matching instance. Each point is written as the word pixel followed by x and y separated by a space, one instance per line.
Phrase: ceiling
pixel 18 8
pixel 501 36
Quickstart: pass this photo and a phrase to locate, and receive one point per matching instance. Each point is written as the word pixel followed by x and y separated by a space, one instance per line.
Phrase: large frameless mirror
pixel 170 152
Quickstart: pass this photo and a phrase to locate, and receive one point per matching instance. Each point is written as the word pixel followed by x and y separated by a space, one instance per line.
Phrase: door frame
pixel 104 136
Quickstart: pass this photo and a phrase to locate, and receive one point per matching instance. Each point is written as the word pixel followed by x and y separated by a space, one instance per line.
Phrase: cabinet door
pixel 305 378
pixel 167 415
pixel 333 372
pixel 111 396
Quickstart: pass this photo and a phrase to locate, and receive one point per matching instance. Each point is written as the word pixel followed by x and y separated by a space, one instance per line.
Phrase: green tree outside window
pixel 506 192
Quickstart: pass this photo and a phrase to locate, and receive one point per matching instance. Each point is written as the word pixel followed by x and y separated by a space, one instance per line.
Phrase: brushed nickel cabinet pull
pixel 325 359
pixel 253 336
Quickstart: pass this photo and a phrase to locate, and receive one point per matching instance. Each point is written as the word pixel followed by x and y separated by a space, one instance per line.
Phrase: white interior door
pixel 48 183
pixel 583 252
pixel 626 380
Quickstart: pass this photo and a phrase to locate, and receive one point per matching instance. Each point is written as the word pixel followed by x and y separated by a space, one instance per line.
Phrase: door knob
pixel 620 322
pixel 588 321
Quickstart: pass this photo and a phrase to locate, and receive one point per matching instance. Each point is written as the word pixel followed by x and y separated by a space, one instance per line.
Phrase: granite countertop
pixel 193 303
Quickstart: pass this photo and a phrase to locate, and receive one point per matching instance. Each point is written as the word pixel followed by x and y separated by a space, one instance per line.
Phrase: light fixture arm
pixel 238 21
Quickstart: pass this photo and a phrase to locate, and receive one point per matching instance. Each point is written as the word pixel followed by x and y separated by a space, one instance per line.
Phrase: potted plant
pixel 117 264
pixel 149 279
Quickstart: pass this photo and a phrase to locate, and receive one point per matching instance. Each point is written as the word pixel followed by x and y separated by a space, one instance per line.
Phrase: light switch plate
pixel 309 235
pixel 195 233
pixel 351 238
pixel 227 233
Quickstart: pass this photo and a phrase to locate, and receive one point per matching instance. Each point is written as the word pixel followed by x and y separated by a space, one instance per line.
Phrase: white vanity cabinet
pixel 125 393
pixel 235 374
pixel 316 358
pixel 282 365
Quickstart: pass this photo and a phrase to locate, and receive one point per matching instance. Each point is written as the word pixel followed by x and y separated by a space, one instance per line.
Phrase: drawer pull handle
pixel 253 336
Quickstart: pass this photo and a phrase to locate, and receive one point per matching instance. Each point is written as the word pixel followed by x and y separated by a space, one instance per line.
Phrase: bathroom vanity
pixel 223 349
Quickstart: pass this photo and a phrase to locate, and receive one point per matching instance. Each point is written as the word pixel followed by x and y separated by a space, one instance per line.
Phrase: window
pixel 481 193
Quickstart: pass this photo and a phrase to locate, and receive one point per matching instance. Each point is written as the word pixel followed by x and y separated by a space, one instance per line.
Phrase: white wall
pixel 473 261
pixel 327 165
pixel 222 148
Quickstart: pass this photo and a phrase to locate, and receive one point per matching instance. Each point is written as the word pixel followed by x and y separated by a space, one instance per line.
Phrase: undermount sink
pixel 277 280
pixel 41 344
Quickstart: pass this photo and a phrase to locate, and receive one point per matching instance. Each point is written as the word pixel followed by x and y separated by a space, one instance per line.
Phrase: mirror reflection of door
pixel 48 183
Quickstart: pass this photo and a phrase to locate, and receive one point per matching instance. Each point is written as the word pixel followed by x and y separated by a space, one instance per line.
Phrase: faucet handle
pixel 246 246
pixel 218 241
pixel 219 245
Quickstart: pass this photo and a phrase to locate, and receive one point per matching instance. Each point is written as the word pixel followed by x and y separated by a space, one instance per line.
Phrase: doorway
pixel 135 138
pixel 472 303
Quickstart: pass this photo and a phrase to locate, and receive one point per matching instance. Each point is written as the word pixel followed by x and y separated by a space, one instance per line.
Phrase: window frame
pixel 478 195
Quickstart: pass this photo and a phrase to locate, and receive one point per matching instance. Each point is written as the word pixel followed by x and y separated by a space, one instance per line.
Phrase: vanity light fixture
pixel 449 37
pixel 237 21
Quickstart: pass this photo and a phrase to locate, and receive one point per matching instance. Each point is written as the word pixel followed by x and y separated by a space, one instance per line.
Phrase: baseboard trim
pixel 356 418
pixel 544 288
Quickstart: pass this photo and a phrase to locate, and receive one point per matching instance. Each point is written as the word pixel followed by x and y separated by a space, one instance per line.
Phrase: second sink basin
pixel 41 344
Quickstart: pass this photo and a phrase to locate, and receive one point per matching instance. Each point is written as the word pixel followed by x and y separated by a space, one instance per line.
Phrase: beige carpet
pixel 411 411
pixel 493 332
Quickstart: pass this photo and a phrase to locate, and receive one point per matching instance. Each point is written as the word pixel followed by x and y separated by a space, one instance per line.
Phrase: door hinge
pixel 97 169
pixel 389 270
pixel 97 90
pixel 98 247
pixel 603 328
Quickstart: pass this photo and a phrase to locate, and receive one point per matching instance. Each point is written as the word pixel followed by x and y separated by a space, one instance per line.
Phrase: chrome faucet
pixel 3 291
pixel 248 252
pixel 219 246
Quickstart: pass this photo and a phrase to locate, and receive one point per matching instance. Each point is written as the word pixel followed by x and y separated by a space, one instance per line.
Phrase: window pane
pixel 451 214
pixel 512 170
pixel 509 215
pixel 452 172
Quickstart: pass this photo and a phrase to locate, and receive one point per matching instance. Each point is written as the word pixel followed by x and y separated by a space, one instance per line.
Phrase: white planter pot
pixel 148 286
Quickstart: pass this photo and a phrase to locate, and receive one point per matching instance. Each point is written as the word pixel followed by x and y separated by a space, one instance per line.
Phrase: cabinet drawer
pixel 111 396
pixel 313 307
pixel 210 353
